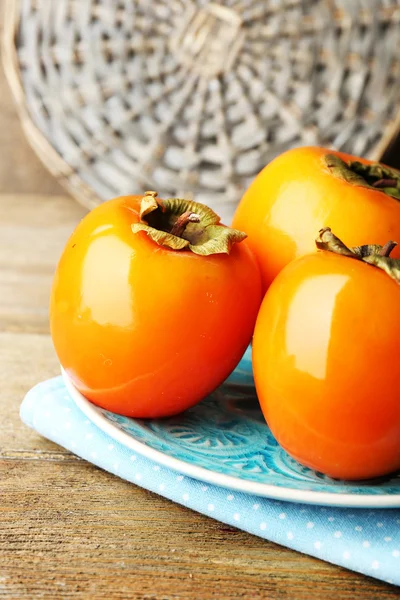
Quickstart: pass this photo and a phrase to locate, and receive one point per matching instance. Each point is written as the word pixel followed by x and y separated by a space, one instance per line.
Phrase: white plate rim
pixel 265 490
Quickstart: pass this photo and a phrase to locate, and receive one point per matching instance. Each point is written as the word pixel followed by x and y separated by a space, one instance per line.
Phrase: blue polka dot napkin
pixel 363 540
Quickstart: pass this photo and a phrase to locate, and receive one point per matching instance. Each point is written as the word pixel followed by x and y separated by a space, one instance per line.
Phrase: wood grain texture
pixel 70 530
pixel 25 359
pixel 33 232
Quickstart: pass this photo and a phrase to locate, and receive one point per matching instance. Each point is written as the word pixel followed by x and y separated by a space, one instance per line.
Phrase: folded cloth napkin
pixel 364 540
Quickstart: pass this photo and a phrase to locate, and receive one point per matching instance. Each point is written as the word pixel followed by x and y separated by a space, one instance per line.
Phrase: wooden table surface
pixel 68 529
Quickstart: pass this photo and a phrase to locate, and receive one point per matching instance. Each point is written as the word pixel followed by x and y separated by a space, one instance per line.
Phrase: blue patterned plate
pixel 224 440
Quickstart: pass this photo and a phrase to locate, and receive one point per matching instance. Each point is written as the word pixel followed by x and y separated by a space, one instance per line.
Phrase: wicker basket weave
pixel 192 97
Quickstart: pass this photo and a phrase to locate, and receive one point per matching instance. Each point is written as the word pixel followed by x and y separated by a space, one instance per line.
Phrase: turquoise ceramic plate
pixel 224 440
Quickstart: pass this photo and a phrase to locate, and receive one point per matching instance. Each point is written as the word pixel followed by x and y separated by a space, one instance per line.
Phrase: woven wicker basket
pixel 192 97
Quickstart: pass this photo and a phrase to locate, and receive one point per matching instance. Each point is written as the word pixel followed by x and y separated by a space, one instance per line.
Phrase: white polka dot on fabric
pixel 331 519
pixel 396 553
pixel 180 477
pixel 230 497
pixel 236 516
pixel 317 545
pixel 263 526
pixel 256 506
pixel 133 457
pixel 346 555
pixel 156 468
pixel 185 497
pixel 337 534
pixel 379 524
pixel 310 525
pixel 211 507
pixel 375 564
pixel 366 544
pixel 289 535
pixel 282 516
pixel 387 539
pixel 358 528
pixel 204 488
pixel 398 521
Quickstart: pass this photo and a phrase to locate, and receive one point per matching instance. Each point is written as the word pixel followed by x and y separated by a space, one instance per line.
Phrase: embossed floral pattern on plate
pixel 225 440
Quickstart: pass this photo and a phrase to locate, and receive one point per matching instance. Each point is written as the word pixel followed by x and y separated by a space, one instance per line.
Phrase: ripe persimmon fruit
pixel 303 189
pixel 326 362
pixel 153 304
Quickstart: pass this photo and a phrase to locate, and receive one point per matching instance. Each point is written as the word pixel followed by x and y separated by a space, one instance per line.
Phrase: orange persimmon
pixel 305 188
pixel 326 364
pixel 153 304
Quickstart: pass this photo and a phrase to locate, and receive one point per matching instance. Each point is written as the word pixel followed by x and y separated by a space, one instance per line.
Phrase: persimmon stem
pixel 383 183
pixel 387 248
pixel 182 222
pixel 166 222
pixel 372 254
pixel 374 176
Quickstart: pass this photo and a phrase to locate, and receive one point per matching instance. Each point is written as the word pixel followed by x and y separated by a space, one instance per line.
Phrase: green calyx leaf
pixel 181 224
pixel 391 266
pixel 217 239
pixel 372 254
pixel 373 176
pixel 148 204
pixel 162 238
pixel 341 170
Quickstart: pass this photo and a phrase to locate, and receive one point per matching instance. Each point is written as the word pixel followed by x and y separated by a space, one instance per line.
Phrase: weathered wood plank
pixel 33 232
pixel 73 530
pixel 24 361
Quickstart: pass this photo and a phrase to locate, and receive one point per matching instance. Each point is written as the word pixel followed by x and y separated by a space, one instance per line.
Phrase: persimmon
pixel 326 364
pixel 153 304
pixel 303 189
